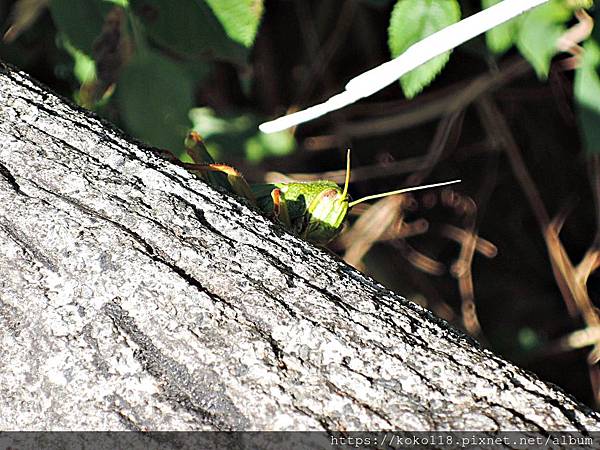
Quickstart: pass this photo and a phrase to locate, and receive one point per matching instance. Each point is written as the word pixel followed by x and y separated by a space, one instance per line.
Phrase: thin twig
pixel 363 173
pixel 570 280
pixel 482 246
pixel 419 53
pixel 378 219
pixel 496 127
pixel 457 98
pixel 323 53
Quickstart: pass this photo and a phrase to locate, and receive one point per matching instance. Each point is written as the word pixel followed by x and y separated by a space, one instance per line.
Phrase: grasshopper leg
pixel 195 148
pixel 168 155
pixel 280 209
pixel 236 180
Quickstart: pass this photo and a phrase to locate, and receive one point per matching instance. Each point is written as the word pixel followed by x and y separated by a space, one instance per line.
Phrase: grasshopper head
pixel 328 209
pixel 326 215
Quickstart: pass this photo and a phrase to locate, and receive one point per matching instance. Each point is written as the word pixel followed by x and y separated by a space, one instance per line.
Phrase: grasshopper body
pixel 313 210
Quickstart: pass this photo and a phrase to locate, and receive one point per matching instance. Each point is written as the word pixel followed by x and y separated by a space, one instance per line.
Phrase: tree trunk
pixel 135 296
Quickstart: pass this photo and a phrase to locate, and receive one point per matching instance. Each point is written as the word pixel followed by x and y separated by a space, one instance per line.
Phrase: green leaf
pixel 84 67
pixel 188 28
pixel 274 144
pixel 231 135
pixel 155 95
pixel 413 20
pixel 80 21
pixel 587 97
pixel 538 34
pixel 528 339
pixel 240 18
pixel 499 39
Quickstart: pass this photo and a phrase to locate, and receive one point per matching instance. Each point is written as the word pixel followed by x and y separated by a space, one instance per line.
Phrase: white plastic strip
pixel 381 76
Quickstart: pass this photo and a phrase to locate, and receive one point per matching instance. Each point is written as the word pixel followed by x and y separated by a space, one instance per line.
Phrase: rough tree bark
pixel 134 296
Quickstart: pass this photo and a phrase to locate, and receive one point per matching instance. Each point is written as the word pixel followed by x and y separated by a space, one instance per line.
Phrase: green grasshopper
pixel 314 210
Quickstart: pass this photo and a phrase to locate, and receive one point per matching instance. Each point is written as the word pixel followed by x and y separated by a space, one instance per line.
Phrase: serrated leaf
pixel 188 28
pixel 587 97
pixel 155 95
pixel 538 34
pixel 413 20
pixel 80 21
pixel 240 18
pixel 499 39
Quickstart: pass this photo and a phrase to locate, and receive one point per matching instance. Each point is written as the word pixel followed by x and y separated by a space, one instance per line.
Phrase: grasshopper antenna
pixel 399 191
pixel 347 182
